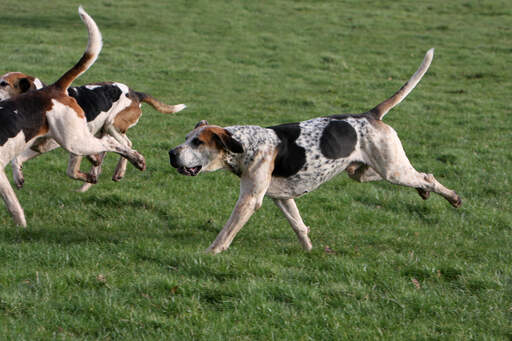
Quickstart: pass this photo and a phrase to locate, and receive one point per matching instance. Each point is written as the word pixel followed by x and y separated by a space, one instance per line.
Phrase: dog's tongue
pixel 192 171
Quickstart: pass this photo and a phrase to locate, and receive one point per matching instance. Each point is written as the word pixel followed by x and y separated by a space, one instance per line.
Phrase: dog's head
pixel 204 150
pixel 15 83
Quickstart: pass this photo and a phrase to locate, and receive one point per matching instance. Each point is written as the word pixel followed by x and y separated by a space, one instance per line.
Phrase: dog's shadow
pixel 414 209
pixel 97 230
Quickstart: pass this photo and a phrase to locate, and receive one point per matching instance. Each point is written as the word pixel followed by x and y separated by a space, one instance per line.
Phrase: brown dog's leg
pixel 12 203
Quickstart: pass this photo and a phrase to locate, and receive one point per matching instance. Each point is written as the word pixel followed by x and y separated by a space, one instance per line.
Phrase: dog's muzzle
pixel 190 171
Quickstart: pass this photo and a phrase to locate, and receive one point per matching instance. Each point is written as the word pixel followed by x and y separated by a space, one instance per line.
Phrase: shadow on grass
pixel 95 230
pixel 115 201
pixel 418 209
pixel 72 235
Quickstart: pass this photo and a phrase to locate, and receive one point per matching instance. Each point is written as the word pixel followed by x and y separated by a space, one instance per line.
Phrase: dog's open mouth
pixel 191 171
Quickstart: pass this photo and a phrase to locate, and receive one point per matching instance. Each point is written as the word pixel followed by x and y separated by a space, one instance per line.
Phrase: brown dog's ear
pixel 201 123
pixel 225 141
pixel 25 85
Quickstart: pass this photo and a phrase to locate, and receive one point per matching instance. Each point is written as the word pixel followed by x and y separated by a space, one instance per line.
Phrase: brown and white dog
pixel 290 160
pixel 51 112
pixel 110 108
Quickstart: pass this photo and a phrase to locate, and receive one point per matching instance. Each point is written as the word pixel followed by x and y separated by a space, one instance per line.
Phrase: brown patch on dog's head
pixel 220 138
pixel 15 83
pixel 204 150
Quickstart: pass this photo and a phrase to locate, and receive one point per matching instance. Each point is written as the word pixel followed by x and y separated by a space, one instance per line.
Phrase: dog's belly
pixel 309 178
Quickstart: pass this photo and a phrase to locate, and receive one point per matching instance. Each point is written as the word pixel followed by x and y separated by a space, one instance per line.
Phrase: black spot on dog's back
pixel 25 113
pixel 97 100
pixel 290 156
pixel 338 140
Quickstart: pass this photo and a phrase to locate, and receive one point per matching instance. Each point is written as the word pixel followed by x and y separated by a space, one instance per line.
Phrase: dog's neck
pixel 232 162
pixel 252 139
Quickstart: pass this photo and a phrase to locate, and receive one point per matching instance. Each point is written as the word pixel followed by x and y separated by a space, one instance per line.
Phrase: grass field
pixel 126 260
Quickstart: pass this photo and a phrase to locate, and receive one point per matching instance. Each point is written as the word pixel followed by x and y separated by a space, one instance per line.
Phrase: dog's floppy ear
pixel 25 85
pixel 201 123
pixel 225 141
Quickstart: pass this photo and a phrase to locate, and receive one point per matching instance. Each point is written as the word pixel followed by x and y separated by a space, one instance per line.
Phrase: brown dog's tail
pixel 162 107
pixel 88 58
pixel 382 109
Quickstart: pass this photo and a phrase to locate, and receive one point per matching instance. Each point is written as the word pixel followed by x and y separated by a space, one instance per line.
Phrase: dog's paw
pixel 213 250
pixel 19 181
pixel 119 174
pixel 91 178
pixel 457 201
pixel 18 177
pixel 117 177
pixel 138 161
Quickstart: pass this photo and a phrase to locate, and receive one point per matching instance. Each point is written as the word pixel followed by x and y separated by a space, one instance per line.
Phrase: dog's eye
pixel 196 142
pixel 3 83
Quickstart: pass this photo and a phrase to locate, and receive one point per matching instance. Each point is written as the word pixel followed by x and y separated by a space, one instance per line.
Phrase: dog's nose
pixel 173 155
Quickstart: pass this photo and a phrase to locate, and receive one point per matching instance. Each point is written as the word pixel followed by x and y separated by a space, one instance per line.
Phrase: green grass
pixel 125 260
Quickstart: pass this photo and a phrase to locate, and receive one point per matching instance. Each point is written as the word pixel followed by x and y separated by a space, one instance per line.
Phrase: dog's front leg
pixel 12 203
pixel 291 212
pixel 254 183
pixel 40 146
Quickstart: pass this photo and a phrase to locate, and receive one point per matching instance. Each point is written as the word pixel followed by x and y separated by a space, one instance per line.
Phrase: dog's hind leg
pixel 124 140
pixel 71 132
pixel 12 203
pixel 392 164
pixel 291 212
pixel 120 169
pixel 424 183
pixel 74 171
pixel 94 172
pixel 363 173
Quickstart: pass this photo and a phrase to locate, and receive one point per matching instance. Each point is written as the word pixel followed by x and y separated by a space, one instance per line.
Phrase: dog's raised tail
pixel 162 107
pixel 88 58
pixel 382 109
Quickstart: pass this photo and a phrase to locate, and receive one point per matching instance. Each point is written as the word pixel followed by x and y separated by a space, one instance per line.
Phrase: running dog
pixel 290 160
pixel 110 108
pixel 51 112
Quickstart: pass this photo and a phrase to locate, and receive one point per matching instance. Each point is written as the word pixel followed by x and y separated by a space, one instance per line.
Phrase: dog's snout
pixel 173 157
